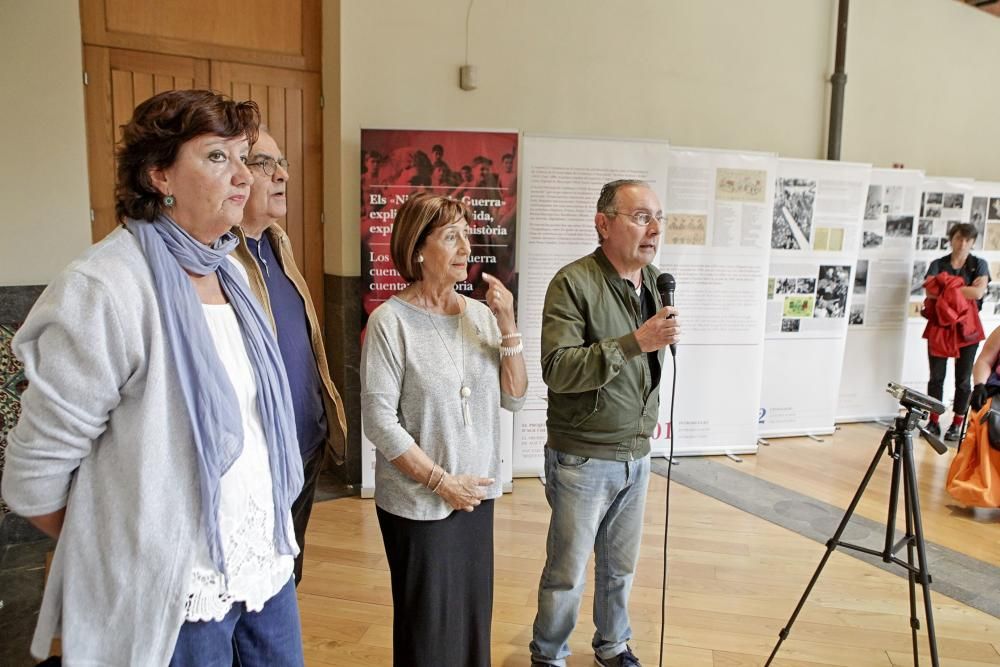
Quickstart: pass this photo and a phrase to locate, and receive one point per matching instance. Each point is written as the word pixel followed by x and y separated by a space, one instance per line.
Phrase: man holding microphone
pixel 604 331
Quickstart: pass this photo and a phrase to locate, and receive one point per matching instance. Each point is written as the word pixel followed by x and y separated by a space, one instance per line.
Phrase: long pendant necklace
pixel 465 391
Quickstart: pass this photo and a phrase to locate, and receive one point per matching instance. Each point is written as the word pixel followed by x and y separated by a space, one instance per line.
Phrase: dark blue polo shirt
pixel 296 348
pixel 972 269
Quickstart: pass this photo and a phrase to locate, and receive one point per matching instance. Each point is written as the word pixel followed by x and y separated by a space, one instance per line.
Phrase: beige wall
pixel 333 232
pixel 713 73
pixel 923 87
pixel 921 90
pixel 45 217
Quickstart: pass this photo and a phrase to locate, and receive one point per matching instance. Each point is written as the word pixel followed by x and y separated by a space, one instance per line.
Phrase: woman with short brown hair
pixel 436 369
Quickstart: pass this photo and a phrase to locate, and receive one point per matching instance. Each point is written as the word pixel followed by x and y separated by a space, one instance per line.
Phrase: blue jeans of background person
pixel 597 505
pixel 271 637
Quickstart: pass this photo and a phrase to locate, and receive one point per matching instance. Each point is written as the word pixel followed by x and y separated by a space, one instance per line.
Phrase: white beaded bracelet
pixel 511 351
pixel 510 336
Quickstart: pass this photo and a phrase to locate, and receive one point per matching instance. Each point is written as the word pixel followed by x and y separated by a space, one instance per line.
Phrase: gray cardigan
pixel 104 432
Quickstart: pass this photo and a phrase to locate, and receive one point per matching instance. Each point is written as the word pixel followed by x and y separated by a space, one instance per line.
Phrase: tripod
pixel 897 443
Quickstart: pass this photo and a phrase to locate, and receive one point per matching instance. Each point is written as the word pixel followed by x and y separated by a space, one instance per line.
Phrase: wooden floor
pixel 734 579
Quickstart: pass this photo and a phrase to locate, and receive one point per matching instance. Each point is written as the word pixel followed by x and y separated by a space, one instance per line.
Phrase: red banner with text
pixel 477 167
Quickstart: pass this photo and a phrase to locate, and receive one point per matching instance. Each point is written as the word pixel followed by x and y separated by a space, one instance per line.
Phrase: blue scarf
pixel 209 396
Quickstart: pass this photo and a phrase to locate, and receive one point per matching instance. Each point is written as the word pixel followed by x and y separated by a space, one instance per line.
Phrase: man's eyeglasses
pixel 268 164
pixel 641 218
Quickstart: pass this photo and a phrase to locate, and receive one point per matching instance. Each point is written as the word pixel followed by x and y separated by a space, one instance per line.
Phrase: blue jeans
pixel 596 505
pixel 271 637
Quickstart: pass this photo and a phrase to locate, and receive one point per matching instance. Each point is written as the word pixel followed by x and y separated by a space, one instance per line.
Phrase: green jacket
pixel 601 402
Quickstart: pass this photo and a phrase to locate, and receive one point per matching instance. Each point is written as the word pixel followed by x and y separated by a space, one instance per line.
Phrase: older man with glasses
pixel 266 254
pixel 604 330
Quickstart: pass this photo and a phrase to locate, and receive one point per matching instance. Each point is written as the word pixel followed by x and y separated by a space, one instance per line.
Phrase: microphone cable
pixel 666 512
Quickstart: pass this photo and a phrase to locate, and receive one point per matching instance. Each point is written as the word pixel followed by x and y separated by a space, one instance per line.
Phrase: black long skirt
pixel 442 588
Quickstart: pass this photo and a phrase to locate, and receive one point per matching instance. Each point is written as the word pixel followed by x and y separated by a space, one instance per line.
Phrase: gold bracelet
pixel 430 476
pixel 440 481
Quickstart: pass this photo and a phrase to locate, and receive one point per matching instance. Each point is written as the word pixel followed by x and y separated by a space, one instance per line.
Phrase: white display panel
pixel 716 243
pixel 815 237
pixel 984 213
pixel 561 178
pixel 876 324
pixel 943 202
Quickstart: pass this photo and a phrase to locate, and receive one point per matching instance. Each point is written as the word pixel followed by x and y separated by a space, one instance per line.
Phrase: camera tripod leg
pixel 910 474
pixel 911 576
pixel 833 542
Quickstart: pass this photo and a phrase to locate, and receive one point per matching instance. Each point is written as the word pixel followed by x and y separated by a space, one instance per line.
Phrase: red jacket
pixel 952 320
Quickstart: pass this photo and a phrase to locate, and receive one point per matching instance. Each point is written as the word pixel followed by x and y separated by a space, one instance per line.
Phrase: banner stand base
pixel 367 491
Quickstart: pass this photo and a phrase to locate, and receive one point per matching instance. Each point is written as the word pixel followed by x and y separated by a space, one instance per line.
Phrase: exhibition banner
pixel 984 213
pixel 477 167
pixel 815 237
pixel 876 324
pixel 716 243
pixel 944 202
pixel 562 179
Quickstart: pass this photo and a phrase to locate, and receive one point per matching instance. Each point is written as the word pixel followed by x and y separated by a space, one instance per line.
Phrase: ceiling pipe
pixel 839 81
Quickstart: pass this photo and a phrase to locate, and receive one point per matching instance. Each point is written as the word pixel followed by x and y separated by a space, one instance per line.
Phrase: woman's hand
pixel 501 302
pixel 464 492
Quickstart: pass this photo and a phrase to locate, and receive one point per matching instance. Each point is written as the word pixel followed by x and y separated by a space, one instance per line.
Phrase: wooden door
pixel 289 103
pixel 117 81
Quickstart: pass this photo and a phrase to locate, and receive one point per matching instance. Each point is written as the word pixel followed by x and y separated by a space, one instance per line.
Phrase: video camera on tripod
pixel 911 399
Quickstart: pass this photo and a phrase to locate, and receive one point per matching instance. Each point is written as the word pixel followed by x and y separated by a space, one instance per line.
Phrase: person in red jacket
pixel 975 273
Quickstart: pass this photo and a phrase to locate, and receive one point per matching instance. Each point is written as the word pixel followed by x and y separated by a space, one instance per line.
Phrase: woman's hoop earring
pixel 169 201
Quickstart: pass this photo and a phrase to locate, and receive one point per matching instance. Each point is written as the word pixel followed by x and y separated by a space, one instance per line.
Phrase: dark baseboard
pixel 342 296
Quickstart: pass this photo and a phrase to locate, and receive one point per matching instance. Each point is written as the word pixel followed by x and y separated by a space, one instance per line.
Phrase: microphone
pixel 665 285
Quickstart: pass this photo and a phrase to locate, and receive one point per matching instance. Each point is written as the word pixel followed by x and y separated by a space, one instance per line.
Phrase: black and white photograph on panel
pixel 930 199
pixel 899 226
pixel 979 221
pixel 785 286
pixel 861 277
pixel 992 292
pixel 977 211
pixel 953 200
pixel 932 211
pixel 873 205
pixel 857 315
pixel 945 244
pixel 929 243
pixel 994 209
pixel 832 285
pixel 789 325
pixel 892 198
pixel 992 241
pixel 925 227
pixel 805 285
pixel 996 309
pixel 794 202
pixel 917 277
pixel 871 240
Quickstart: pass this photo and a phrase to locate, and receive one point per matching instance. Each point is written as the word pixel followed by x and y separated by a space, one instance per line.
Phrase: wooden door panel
pixel 283 34
pixel 118 80
pixel 289 106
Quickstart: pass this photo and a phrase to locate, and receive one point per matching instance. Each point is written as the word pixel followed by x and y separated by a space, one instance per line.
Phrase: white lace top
pixel 246 508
